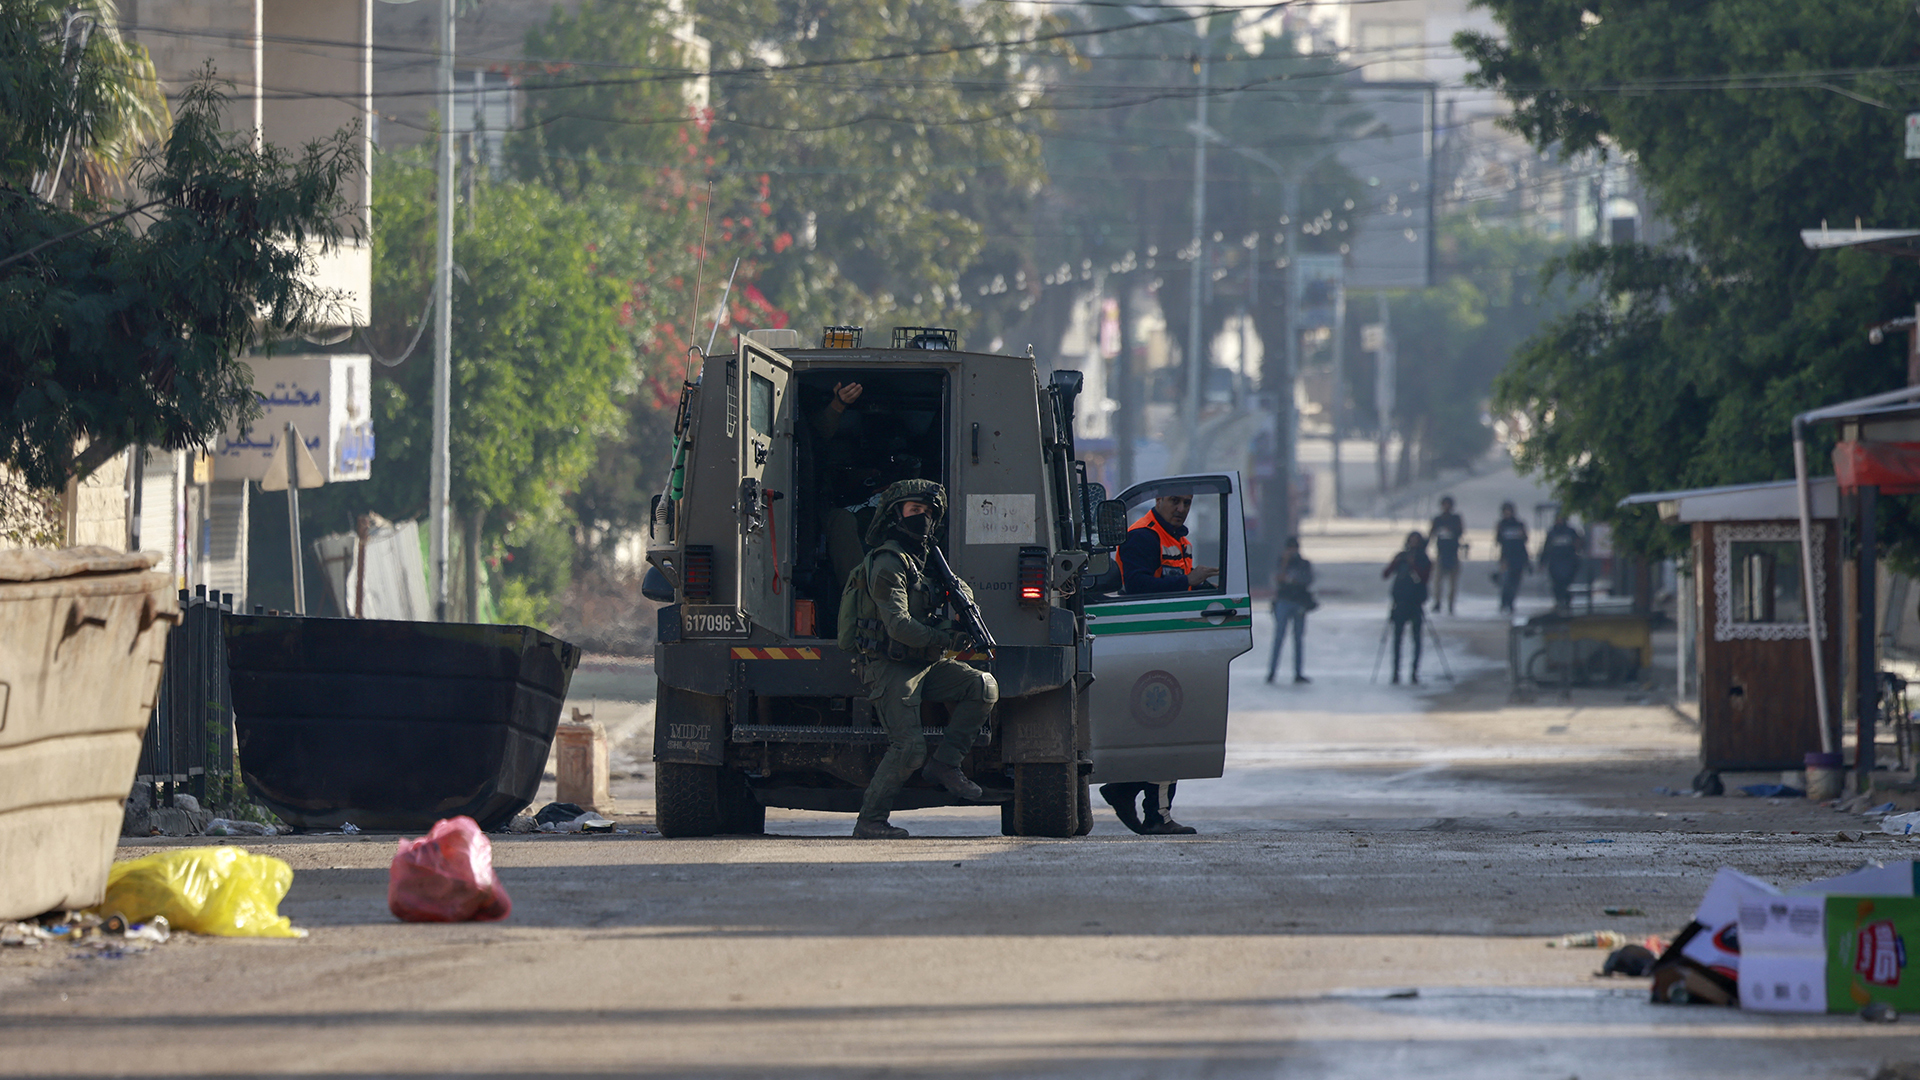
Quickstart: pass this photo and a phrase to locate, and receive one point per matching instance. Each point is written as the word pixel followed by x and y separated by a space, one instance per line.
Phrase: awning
pixel 1774 500
pixel 1893 467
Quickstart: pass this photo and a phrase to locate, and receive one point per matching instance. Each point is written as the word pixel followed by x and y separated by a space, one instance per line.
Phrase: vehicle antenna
pixel 699 276
pixel 722 309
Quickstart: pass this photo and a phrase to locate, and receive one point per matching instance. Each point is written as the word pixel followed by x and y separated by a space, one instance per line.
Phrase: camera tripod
pixel 1433 635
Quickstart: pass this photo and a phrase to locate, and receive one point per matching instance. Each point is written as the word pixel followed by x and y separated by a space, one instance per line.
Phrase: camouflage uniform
pixel 904 601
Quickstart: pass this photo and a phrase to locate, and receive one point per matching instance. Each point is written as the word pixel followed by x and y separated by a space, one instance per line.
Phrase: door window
pixel 760 404
pixel 1206 533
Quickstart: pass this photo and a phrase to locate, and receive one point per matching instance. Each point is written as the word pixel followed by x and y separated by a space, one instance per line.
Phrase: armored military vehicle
pixel 773 482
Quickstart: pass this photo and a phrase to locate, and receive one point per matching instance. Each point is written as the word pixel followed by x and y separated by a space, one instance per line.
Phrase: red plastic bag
pixel 447 876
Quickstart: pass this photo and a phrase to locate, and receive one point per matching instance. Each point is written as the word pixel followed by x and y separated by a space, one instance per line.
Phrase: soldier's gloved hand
pixel 962 643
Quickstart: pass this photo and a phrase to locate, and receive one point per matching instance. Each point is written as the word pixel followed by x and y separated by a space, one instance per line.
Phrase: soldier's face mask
pixel 915 526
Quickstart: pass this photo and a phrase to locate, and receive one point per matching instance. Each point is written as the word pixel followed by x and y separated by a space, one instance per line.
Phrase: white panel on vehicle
pixel 1001 519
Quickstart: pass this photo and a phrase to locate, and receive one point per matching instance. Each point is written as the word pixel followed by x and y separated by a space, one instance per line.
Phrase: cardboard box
pixel 1867 952
pixel 1783 953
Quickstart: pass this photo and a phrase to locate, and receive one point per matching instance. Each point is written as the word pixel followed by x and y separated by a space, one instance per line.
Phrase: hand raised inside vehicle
pixel 845 394
pixel 1201 573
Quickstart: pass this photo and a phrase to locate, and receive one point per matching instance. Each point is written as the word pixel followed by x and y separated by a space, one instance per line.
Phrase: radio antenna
pixel 699 278
pixel 722 309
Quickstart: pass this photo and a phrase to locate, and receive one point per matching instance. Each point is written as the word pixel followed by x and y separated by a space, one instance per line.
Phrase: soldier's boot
pixel 878 830
pixel 1121 797
pixel 951 778
pixel 1168 827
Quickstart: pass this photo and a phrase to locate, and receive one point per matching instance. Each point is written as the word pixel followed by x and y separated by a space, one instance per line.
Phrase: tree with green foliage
pixel 539 361
pixel 130 327
pixel 891 179
pixel 1748 120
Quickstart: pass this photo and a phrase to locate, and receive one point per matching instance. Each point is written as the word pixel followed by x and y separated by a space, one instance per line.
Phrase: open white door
pixel 1159 697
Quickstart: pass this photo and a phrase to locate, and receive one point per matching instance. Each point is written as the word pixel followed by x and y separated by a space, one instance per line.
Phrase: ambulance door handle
pixel 976 444
pixel 1217 613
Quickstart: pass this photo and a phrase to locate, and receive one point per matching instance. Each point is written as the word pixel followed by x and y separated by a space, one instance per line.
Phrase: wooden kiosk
pixel 1757 699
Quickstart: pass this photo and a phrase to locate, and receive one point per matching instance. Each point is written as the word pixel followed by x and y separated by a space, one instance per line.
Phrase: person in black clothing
pixel 1446 531
pixel 1291 602
pixel 1511 536
pixel 1560 554
pixel 1409 572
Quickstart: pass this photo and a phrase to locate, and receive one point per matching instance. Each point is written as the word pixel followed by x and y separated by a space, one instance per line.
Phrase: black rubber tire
pixel 1045 799
pixel 1009 826
pixel 686 799
pixel 1086 810
pixel 740 813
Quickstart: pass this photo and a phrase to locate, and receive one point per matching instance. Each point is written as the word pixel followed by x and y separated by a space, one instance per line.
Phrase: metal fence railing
pixel 188 747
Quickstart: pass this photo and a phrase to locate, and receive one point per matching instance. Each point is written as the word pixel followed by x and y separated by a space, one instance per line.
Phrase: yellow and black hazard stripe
pixel 749 652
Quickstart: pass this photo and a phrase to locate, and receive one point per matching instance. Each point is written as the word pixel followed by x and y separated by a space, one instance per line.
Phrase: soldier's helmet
pixel 900 491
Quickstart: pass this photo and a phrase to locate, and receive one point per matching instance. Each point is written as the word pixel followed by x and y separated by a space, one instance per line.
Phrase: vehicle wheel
pixel 686 799
pixel 1009 825
pixel 1044 799
pixel 1086 810
pixel 740 813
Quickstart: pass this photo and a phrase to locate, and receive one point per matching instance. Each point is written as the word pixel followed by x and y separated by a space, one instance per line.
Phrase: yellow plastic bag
pixel 207 890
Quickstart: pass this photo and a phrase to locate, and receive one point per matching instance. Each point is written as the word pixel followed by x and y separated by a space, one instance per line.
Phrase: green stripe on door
pixel 1154 626
pixel 1115 608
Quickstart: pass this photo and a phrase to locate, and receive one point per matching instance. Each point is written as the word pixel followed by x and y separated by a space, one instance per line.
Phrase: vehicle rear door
pixel 1160 660
pixel 765 502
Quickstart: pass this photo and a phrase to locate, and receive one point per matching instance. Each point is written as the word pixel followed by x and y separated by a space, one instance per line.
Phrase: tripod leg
pixel 1445 668
pixel 1381 652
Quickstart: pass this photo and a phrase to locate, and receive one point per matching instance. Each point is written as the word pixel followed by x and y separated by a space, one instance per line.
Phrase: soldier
pixel 903 658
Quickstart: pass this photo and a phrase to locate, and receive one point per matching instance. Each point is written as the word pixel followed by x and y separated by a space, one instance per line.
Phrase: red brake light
pixel 697 581
pixel 1033 575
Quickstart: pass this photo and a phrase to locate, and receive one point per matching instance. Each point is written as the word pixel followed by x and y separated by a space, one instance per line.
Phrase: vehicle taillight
pixel 697 581
pixel 1033 576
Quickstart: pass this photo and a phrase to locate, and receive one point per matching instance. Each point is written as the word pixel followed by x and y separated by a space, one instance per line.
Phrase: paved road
pixel 1370 896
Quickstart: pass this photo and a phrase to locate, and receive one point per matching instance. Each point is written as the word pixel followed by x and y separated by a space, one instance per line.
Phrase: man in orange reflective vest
pixel 1156 557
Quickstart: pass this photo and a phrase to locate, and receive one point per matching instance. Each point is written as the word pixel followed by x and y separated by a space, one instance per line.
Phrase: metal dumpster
pixel 83 632
pixel 393 725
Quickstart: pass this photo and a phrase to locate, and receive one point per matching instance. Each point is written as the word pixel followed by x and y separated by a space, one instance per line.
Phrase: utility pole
pixel 441 476
pixel 1384 389
pixel 1339 404
pixel 1196 364
pixel 1288 427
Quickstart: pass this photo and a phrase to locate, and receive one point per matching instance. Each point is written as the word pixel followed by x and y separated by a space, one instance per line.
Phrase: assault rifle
pixel 966 613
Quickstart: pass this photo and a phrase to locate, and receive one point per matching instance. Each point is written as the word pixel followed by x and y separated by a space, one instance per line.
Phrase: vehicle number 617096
pixel 712 622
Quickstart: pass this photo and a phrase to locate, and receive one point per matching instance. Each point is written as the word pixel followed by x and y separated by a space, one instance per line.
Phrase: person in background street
pixel 1408 571
pixel 1292 599
pixel 1446 531
pixel 1560 555
pixel 1156 557
pixel 1510 535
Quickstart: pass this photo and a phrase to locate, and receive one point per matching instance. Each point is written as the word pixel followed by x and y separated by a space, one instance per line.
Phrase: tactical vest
pixel 861 630
pixel 1175 552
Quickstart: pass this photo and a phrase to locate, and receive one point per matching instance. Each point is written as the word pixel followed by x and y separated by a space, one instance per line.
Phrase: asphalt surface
pixel 1371 894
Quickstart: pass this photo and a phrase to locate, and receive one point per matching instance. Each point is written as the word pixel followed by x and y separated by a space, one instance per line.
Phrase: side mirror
pixel 655 586
pixel 1110 523
pixel 1099 563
